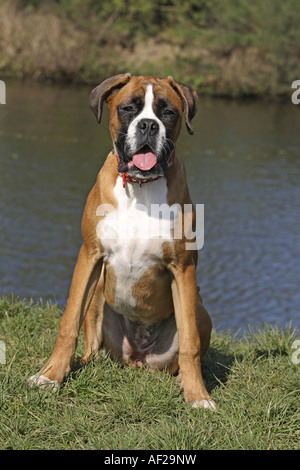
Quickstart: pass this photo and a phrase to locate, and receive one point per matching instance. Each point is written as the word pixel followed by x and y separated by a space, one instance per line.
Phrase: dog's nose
pixel 149 126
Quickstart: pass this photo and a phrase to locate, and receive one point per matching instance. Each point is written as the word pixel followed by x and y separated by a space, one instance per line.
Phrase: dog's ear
pixel 189 100
pixel 102 91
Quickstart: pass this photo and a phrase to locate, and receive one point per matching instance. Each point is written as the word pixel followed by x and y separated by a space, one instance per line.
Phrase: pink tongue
pixel 144 161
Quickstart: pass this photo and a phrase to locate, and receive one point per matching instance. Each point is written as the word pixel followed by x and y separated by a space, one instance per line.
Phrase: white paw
pixel 204 404
pixel 42 382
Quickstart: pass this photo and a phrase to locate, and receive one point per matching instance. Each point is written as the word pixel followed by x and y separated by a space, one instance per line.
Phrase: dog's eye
pixel 169 112
pixel 128 109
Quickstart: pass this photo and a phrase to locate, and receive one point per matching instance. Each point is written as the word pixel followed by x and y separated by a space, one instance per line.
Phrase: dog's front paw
pixel 210 404
pixel 42 382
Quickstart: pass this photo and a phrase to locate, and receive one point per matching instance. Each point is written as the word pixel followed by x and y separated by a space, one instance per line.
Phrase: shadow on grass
pixel 216 367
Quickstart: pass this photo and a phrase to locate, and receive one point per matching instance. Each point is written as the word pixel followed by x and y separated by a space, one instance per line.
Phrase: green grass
pixel 112 406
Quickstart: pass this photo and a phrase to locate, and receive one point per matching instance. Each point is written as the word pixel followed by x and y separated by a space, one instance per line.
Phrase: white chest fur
pixel 132 235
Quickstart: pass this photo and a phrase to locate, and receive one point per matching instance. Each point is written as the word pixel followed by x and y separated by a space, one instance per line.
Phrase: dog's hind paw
pixel 210 404
pixel 42 382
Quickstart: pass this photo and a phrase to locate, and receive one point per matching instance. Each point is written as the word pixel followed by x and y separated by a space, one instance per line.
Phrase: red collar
pixel 132 179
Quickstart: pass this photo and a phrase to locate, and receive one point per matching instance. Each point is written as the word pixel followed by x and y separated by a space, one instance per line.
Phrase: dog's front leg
pixel 185 298
pixel 85 278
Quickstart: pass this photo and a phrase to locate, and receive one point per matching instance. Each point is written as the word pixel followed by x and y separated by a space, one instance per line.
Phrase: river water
pixel 243 164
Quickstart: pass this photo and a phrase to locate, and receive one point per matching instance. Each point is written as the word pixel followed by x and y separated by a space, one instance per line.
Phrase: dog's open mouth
pixel 144 159
pixel 143 164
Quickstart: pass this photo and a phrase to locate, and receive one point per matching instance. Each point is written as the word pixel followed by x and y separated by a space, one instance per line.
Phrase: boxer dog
pixel 134 286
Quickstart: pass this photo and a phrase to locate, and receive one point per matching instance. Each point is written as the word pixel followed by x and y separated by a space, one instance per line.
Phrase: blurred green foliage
pixel 147 15
pixel 210 37
pixel 271 24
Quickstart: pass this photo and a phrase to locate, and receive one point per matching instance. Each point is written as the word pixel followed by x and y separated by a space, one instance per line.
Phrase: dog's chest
pixel 133 235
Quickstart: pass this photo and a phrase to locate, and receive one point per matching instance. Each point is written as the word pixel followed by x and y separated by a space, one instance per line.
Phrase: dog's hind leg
pixel 92 325
pixel 204 326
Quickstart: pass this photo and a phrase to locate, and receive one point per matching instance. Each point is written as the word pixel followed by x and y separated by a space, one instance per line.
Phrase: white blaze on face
pixel 146 113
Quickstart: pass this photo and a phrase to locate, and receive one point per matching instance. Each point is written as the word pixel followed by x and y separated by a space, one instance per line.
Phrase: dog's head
pixel 145 119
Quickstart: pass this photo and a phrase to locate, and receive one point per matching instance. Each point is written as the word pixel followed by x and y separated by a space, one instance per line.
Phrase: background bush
pixel 222 48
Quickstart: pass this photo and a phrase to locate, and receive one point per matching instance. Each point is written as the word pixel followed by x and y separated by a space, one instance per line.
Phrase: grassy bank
pixel 231 49
pixel 110 406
